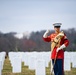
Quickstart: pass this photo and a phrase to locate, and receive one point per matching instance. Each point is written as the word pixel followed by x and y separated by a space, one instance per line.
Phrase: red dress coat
pixel 64 40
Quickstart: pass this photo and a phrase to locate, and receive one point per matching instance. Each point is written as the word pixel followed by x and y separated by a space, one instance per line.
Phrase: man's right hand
pixel 46 34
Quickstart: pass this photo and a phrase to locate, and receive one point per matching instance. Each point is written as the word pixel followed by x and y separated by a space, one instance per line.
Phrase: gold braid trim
pixel 56 41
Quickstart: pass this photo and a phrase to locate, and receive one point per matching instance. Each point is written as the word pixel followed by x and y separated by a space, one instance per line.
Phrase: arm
pixel 64 45
pixel 46 37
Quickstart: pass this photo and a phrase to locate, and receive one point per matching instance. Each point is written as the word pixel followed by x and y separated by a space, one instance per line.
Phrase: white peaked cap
pixel 57 24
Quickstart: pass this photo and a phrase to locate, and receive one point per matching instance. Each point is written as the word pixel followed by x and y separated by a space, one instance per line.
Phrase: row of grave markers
pixel 30 59
pixel 2 58
pixel 37 61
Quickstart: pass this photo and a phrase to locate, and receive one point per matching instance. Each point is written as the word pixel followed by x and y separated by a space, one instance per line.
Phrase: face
pixel 57 29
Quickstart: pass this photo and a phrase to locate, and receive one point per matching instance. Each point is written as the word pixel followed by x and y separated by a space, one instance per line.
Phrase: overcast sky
pixel 36 15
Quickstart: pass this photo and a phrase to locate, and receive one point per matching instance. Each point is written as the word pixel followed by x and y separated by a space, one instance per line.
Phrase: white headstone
pixel 74 61
pixel 0 67
pixel 32 62
pixel 17 65
pixel 40 67
pixel 67 62
pixel 26 58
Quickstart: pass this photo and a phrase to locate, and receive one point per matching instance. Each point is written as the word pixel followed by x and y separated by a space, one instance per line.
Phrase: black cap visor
pixel 56 26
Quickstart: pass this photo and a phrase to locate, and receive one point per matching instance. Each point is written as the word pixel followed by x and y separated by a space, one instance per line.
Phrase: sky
pixel 36 15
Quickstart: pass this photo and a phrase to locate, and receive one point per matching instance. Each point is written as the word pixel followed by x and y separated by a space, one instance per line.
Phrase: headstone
pixel 40 67
pixel 26 58
pixel 67 62
pixel 32 62
pixel 74 61
pixel 0 67
pixel 16 65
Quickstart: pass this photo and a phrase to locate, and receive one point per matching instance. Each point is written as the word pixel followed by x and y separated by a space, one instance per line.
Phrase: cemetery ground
pixel 7 70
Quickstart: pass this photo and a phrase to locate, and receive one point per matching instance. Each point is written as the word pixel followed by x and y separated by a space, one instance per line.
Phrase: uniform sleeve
pixel 48 39
pixel 66 41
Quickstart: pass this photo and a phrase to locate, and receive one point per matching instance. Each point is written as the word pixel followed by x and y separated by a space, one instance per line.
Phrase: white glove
pixel 46 34
pixel 61 47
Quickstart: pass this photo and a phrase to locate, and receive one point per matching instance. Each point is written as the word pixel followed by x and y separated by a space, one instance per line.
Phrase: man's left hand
pixel 61 47
pixel 58 49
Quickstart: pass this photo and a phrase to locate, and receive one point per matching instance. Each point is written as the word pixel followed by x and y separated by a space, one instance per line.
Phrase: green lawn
pixel 7 70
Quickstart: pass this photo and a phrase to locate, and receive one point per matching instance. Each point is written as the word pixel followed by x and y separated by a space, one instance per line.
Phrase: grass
pixel 7 70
